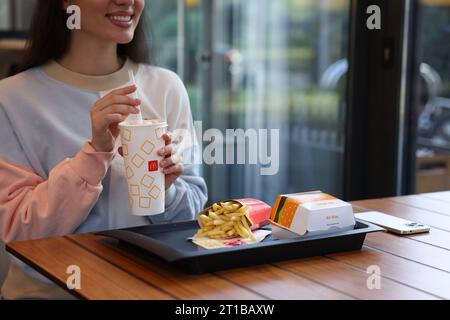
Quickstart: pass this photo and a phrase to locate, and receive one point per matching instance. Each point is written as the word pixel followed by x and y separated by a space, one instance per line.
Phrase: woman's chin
pixel 123 38
pixel 125 41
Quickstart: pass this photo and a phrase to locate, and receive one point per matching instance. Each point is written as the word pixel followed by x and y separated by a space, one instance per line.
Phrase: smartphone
pixel 393 224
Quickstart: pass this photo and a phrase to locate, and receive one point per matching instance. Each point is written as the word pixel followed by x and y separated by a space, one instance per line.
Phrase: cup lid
pixel 144 123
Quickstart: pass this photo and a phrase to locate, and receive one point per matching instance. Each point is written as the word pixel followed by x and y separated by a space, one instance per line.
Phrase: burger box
pixel 312 213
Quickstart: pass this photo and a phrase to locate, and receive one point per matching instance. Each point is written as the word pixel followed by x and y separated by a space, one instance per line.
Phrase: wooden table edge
pixel 75 239
pixel 9 248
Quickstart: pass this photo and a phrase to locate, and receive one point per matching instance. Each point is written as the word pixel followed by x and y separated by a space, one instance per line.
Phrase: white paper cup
pixel 140 143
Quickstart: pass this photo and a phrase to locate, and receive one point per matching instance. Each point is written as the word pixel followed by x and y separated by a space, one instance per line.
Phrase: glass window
pixel 175 33
pixel 433 141
pixel 5 16
pixel 279 65
pixel 15 15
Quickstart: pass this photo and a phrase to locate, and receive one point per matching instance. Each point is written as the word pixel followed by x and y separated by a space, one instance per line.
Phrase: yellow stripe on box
pixel 289 210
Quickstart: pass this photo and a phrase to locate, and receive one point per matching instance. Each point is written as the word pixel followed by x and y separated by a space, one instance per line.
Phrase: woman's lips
pixel 122 21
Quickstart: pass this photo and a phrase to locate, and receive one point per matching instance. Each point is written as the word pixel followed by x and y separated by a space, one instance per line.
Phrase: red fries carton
pixel 259 212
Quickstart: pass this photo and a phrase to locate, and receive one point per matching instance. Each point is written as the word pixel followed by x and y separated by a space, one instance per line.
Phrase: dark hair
pixel 49 37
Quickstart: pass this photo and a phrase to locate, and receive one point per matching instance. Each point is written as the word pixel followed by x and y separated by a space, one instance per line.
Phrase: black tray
pixel 169 242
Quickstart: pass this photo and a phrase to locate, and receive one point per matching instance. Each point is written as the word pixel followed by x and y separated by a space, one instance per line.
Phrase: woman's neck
pixel 90 56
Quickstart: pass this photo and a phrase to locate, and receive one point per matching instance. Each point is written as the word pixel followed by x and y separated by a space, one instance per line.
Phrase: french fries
pixel 225 220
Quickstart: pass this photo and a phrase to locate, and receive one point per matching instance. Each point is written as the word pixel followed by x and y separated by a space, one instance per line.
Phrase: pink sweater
pixel 32 208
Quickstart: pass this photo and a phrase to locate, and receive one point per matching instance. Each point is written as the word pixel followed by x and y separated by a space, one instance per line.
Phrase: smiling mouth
pixel 120 18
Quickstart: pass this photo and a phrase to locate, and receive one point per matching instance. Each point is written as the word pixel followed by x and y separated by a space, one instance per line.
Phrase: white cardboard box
pixel 313 216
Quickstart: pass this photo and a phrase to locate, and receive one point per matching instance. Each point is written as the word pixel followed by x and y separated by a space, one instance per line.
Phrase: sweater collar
pixel 93 83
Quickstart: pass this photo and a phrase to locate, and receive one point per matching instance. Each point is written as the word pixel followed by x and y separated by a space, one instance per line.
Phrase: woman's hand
pixel 107 113
pixel 171 165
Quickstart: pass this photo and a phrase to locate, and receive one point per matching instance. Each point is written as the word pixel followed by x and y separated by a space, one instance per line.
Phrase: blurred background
pixel 297 65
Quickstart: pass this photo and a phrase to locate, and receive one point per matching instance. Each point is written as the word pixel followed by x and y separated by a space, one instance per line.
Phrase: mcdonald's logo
pixel 153 165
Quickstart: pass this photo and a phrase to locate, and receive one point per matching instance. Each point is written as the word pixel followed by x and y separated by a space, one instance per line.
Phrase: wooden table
pixel 412 267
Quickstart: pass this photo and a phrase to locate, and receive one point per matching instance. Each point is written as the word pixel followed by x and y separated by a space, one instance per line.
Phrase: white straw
pixel 134 94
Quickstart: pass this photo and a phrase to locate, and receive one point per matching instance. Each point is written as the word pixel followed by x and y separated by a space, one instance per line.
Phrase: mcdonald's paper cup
pixel 140 143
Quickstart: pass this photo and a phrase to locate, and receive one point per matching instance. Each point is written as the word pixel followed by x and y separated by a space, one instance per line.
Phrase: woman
pixel 58 129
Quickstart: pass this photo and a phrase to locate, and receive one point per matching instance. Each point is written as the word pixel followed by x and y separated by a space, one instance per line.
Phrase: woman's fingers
pixel 107 112
pixel 171 164
pixel 122 91
pixel 113 118
pixel 176 169
pixel 113 114
pixel 167 150
pixel 120 108
pixel 115 99
pixel 167 137
pixel 120 151
pixel 169 161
